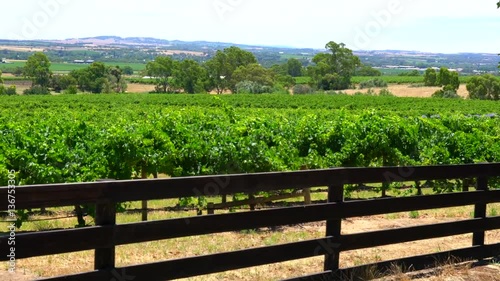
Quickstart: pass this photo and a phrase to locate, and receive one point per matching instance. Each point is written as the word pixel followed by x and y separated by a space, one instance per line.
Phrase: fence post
pixel 144 205
pixel 105 214
pixel 333 228
pixel 306 191
pixel 480 212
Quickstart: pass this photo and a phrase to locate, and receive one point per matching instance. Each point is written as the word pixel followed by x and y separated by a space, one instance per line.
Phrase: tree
pixel 253 72
pixel 116 83
pixel 37 68
pixel 161 69
pixel 333 71
pixel 1 79
pixel 485 87
pixel 190 76
pixel 62 82
pixel 443 77
pixel 127 70
pixel 92 79
pixel 430 77
pixel 294 67
pixel 221 67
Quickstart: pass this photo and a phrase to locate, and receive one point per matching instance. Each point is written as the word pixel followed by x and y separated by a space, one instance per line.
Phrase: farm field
pixel 49 139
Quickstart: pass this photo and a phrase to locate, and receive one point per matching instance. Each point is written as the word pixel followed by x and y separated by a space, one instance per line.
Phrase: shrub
pixel 385 93
pixel 250 87
pixel 446 94
pixel 37 90
pixel 9 91
pixel 302 89
pixel 374 83
pixel 71 90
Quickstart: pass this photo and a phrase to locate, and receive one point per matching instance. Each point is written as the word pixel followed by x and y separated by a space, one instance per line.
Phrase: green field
pixel 51 139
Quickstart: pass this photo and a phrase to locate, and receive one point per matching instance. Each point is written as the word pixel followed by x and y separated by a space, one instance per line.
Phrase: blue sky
pixel 447 26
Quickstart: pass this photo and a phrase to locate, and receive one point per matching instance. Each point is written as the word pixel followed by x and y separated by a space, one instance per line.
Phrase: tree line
pixel 234 70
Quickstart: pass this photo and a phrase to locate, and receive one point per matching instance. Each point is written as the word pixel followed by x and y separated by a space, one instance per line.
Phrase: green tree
pixel 116 82
pixel 161 69
pixel 294 67
pixel 222 66
pixel 127 70
pixel 1 79
pixel 92 79
pixel 253 72
pixel 430 77
pixel 62 82
pixel 333 71
pixel 484 87
pixel 190 76
pixel 454 81
pixel 443 77
pixel 37 68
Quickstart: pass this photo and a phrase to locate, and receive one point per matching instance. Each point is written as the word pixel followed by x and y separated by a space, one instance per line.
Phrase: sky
pixel 445 26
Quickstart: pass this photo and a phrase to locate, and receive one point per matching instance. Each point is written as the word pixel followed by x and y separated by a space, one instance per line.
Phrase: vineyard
pixel 84 138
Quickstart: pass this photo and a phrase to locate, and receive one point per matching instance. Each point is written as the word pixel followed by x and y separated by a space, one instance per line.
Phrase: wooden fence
pixel 107 234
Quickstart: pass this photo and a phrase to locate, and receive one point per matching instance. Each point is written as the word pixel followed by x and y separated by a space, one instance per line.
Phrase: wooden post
pixel 307 196
pixel 480 212
pixel 419 188
pixel 306 191
pixel 333 228
pixel 144 206
pixel 252 205
pixel 105 214
pixel 465 185
pixel 210 208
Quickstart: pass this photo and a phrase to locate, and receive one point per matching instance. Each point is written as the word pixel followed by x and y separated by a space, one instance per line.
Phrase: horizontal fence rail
pixel 106 235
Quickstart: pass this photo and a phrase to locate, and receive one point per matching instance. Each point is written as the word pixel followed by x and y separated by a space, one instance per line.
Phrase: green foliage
pixel 36 90
pixel 71 90
pixel 413 73
pixel 485 87
pixel 333 71
pixel 37 68
pixel 255 73
pixel 294 67
pixel 161 69
pixel 8 91
pixel 430 77
pixel 385 93
pixel 286 81
pixel 251 87
pixel 222 66
pixel 62 82
pixel 1 79
pixel 128 70
pixel 190 77
pixel 374 83
pixel 302 89
pixel 448 92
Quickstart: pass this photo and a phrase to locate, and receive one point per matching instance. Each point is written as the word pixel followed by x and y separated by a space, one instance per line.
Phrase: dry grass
pixel 207 244
pixel 21 49
pixel 407 91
